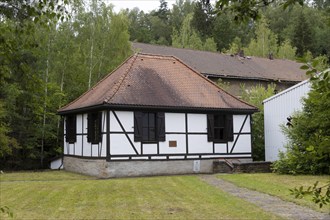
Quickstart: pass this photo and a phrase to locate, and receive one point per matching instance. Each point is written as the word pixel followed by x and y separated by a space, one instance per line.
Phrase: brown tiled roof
pixel 226 66
pixel 157 81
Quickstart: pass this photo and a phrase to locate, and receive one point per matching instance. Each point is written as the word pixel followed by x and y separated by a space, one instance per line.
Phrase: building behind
pixel 277 111
pixel 233 69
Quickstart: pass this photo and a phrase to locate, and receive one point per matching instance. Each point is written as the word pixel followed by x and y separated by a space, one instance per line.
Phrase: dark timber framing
pixel 239 133
pixel 186 133
pixel 106 130
pixel 108 135
pixel 122 127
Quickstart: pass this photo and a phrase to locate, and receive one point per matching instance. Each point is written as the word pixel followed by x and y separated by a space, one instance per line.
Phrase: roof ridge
pixel 158 45
pixel 210 81
pixel 153 55
pixel 104 78
pixel 121 80
pixel 213 52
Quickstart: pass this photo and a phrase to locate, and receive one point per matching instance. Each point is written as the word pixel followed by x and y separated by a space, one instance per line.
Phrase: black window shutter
pixel 89 127
pixel 99 126
pixel 229 128
pixel 74 129
pixel 210 127
pixel 138 126
pixel 67 129
pixel 161 126
pixel 71 127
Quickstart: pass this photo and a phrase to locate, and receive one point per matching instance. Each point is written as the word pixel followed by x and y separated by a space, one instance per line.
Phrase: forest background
pixel 50 53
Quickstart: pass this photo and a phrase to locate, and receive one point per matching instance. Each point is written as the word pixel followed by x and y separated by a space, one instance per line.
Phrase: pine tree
pixel 302 38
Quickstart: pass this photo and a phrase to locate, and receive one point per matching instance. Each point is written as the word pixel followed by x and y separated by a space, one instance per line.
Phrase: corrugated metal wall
pixel 276 110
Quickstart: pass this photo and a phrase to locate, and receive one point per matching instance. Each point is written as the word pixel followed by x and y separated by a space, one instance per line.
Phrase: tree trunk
pixel 45 107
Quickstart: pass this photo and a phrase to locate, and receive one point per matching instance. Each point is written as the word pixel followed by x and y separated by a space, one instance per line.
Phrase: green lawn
pixel 279 185
pixel 62 195
pixel 42 176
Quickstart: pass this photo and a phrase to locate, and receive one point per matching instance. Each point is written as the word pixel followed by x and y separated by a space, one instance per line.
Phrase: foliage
pixel 210 45
pixel 282 27
pixel 244 10
pixel 265 42
pixel 39 12
pixel 286 51
pixel 43 67
pixel 235 46
pixel 303 35
pixel 187 37
pixel 179 12
pixel 203 18
pixel 318 196
pixel 223 85
pixel 255 96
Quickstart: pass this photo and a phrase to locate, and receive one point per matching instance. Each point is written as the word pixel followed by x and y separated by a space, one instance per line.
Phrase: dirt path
pixel 268 203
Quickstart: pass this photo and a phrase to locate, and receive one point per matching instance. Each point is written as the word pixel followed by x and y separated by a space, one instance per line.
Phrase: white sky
pixel 145 5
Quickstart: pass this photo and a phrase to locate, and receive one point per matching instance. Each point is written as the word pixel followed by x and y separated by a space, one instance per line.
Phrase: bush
pixel 255 96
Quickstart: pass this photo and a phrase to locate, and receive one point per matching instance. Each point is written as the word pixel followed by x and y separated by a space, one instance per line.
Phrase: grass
pixel 42 176
pixel 62 195
pixel 279 185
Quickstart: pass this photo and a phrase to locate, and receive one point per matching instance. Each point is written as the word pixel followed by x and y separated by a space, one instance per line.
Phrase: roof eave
pixel 157 108
pixel 213 75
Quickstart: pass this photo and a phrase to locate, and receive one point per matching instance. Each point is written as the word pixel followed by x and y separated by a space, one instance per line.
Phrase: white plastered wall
pixel 82 147
pixel 193 134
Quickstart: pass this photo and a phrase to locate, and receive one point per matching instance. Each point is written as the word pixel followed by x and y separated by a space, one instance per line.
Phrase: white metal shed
pixel 276 111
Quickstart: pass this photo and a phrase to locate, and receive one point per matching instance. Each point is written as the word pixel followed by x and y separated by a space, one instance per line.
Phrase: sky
pixel 145 5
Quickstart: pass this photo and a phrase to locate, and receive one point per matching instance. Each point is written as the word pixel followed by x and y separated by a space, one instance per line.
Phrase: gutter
pixel 182 109
pixel 207 75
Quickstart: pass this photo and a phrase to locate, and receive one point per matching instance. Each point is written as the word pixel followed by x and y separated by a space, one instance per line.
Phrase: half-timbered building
pixel 154 115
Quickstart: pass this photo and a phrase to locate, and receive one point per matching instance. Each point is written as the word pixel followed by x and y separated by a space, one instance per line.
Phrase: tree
pixel 265 43
pixel 244 10
pixel 210 45
pixel 139 26
pixel 286 51
pixel 255 96
pixel 224 31
pixel 160 25
pixel 235 46
pixel 302 36
pixel 163 11
pixel 203 18
pixel 187 37
pixel 179 12
pixel 43 67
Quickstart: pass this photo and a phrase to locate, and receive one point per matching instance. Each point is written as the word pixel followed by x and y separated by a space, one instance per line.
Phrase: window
pixel 94 131
pixel 70 129
pixel 149 126
pixel 220 127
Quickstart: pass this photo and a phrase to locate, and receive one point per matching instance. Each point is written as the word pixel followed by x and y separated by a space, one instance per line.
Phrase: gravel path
pixel 268 203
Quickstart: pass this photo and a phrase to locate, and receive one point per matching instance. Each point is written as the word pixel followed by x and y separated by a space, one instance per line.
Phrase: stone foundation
pixel 253 167
pixel 102 169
